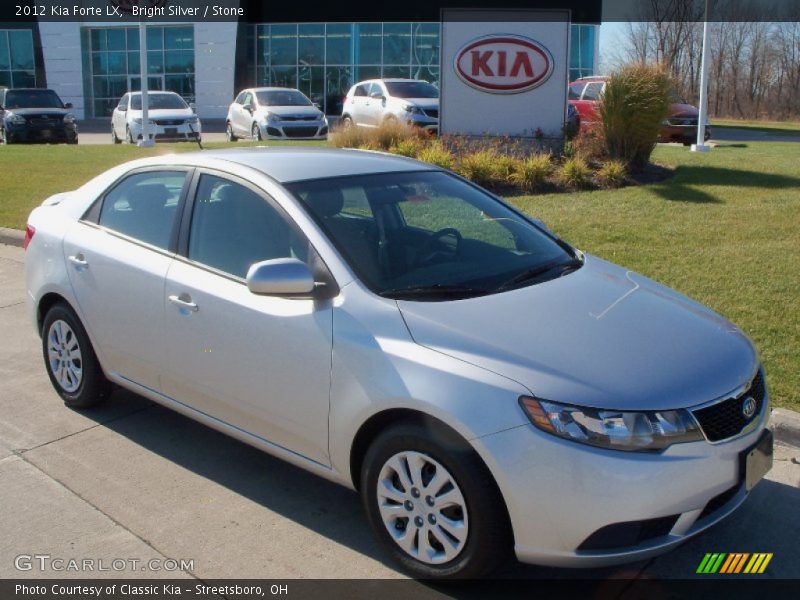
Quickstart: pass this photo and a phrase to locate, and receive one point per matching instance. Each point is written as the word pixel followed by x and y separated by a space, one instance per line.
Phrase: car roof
pixel 287 165
pixel 272 89
pixel 150 92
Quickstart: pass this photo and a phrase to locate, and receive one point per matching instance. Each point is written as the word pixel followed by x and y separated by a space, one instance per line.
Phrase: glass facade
pixel 583 41
pixel 17 63
pixel 115 67
pixel 324 59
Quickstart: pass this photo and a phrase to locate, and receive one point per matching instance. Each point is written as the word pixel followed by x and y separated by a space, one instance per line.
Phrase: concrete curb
pixel 785 425
pixel 12 237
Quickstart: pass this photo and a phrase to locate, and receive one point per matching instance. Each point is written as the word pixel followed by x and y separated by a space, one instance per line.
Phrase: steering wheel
pixel 431 248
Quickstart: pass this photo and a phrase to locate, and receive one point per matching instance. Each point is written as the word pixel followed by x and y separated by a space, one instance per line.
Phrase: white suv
pixel 412 101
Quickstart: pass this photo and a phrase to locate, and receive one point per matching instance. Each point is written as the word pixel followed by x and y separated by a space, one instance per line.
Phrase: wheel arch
pixel 46 302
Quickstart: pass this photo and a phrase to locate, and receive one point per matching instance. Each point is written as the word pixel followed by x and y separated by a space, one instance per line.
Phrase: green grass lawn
pixel 776 127
pixel 724 230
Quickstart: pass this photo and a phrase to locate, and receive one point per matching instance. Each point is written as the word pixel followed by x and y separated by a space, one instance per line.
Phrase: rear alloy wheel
pixel 229 135
pixel 70 359
pixel 433 504
pixel 257 132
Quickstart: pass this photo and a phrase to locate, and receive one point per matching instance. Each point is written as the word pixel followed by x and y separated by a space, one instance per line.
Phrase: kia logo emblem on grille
pixel 749 407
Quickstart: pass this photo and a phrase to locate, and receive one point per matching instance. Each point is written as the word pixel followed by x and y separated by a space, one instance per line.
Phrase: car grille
pixel 300 118
pixel 630 533
pixel 431 112
pixel 718 501
pixel 726 419
pixel 170 122
pixel 299 131
pixel 43 120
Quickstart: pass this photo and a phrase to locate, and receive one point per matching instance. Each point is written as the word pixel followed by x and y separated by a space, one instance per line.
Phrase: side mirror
pixel 317 105
pixel 193 106
pixel 250 107
pixel 68 105
pixel 280 277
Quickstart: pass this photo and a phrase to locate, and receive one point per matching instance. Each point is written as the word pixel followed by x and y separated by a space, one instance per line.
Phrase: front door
pixel 259 363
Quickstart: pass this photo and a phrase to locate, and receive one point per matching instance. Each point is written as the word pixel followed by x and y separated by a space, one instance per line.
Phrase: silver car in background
pixel 171 118
pixel 411 101
pixel 398 330
pixel 275 113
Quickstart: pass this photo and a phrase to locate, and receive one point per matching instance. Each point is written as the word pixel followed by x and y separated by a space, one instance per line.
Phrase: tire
pixel 129 136
pixel 114 137
pixel 72 141
pixel 82 384
pixel 476 509
pixel 256 130
pixel 3 136
pixel 347 122
pixel 229 135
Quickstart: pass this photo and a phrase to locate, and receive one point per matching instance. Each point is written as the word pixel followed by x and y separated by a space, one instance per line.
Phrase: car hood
pixel 38 111
pixel 292 111
pixel 600 336
pixel 424 103
pixel 683 110
pixel 163 113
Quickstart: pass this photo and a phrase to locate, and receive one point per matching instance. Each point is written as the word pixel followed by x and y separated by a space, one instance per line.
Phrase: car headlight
pixel 17 120
pixel 69 118
pixel 193 120
pixel 413 109
pixel 643 431
pixel 271 117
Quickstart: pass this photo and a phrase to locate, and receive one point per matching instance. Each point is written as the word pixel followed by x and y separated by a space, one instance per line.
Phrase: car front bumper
pixel 423 121
pixel 168 133
pixel 295 130
pixel 573 505
pixel 53 133
pixel 682 134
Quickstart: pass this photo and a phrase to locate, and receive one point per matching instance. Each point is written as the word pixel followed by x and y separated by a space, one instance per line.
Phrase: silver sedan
pixel 396 329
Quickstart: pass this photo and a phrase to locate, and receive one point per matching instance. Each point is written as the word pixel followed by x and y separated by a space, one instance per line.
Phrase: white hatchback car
pixel 397 329
pixel 171 118
pixel 275 113
pixel 412 101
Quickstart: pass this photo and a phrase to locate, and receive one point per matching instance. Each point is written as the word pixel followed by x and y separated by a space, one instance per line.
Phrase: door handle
pixel 184 301
pixel 78 260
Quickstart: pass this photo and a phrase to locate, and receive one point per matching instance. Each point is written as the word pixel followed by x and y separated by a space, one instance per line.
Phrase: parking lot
pixel 132 480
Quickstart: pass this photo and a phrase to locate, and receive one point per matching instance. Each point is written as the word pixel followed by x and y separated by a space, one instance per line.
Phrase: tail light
pixel 29 231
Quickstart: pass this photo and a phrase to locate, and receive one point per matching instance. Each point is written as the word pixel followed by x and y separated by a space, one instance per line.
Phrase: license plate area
pixel 171 131
pixel 757 460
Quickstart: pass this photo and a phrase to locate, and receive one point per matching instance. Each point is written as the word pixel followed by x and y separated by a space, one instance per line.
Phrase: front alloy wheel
pixel 422 507
pixel 64 355
pixel 257 132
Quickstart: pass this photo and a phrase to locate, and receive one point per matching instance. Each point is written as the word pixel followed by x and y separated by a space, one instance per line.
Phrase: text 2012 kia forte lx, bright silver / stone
pixel 396 329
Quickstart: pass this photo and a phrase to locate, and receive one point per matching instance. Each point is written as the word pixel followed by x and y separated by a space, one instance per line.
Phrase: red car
pixel 680 126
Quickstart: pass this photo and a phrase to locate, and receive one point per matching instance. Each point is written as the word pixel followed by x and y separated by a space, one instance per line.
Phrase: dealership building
pixel 93 63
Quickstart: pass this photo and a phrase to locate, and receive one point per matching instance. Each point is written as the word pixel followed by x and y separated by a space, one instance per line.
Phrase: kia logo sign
pixel 504 64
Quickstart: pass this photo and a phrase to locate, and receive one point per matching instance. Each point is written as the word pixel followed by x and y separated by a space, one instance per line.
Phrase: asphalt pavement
pixel 132 480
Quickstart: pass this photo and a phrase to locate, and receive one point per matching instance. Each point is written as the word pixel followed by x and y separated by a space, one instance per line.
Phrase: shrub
pixel 387 135
pixel 436 154
pixel 612 174
pixel 635 102
pixel 504 168
pixel 532 171
pixel 410 147
pixel 480 167
pixel 575 172
pixel 590 144
pixel 349 137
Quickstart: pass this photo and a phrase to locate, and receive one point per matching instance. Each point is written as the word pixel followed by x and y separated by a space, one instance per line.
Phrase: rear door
pixel 373 107
pixel 117 258
pixel 357 105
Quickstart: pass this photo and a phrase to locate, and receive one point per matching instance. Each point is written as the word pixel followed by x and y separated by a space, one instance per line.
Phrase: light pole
pixel 146 141
pixel 700 146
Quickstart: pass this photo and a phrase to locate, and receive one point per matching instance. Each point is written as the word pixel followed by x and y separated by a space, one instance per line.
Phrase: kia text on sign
pixel 504 64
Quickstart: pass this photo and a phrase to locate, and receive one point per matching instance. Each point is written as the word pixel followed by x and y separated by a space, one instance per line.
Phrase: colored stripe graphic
pixel 711 562
pixel 734 562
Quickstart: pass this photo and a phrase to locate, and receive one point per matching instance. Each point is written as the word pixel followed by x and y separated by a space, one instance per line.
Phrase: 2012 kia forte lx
pixel 398 330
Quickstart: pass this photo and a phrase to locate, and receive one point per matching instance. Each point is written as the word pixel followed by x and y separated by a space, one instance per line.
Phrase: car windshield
pixel 159 102
pixel 282 98
pixel 411 89
pixel 32 99
pixel 431 236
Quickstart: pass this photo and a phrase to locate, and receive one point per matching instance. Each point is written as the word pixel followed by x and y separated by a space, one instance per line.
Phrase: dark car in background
pixel 35 115
pixel 679 126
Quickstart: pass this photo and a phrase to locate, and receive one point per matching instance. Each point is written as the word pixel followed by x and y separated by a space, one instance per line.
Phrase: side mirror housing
pixel 280 277
pixel 68 105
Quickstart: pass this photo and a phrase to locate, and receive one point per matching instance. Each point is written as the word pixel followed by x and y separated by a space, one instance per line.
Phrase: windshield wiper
pixel 436 289
pixel 539 272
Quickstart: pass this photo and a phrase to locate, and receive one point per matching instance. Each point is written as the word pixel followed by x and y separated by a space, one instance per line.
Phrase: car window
pixel 593 90
pixel 575 90
pixel 282 98
pixel 412 89
pixel 159 100
pixel 248 99
pixel 240 98
pixel 376 88
pixel 408 230
pixel 143 206
pixel 233 227
pixel 361 90
pixel 123 102
pixel 32 99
